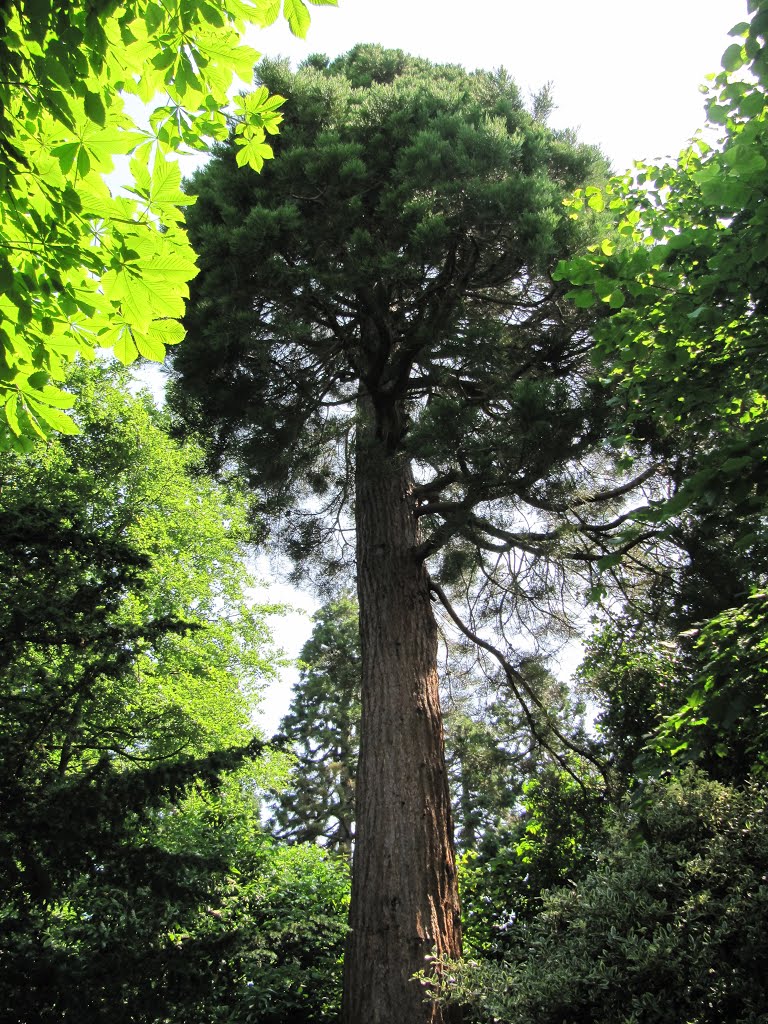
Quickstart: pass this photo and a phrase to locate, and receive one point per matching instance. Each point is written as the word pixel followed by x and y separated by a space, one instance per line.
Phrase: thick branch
pixel 562 508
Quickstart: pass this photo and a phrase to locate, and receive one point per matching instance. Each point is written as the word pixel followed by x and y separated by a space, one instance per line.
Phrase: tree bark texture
pixel 404 892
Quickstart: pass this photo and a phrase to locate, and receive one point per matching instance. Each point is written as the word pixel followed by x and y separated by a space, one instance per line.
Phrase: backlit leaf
pixel 297 15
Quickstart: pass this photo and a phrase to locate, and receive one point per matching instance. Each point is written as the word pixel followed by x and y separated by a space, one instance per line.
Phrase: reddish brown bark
pixel 404 893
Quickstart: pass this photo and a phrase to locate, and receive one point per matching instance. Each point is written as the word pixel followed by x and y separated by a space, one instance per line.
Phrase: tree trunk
pixel 404 891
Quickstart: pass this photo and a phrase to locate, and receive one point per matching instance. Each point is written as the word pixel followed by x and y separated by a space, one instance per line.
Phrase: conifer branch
pixel 520 687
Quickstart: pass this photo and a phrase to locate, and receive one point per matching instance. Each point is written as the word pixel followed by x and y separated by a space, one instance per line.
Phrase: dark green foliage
pixel 128 671
pixel 721 725
pixel 111 656
pixel 322 728
pixel 399 246
pixel 484 760
pixel 696 696
pixel 192 913
pixel 668 927
pixel 491 750
pixel 552 840
pixel 634 676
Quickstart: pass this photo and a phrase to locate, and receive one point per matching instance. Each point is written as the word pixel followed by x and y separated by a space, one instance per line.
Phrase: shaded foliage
pixel 322 727
pixel 131 659
pixel 666 927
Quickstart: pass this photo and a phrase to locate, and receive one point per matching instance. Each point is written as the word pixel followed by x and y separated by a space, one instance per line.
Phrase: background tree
pixel 684 344
pixel 175 905
pixel 377 316
pixel 117 637
pixel 138 884
pixel 128 670
pixel 84 266
pixel 686 327
pixel 322 725
pixel 495 747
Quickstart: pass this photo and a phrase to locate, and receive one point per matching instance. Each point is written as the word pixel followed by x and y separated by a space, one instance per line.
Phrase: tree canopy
pixel 400 247
pixel 683 286
pixel 665 927
pixel 131 661
pixel 120 648
pixel 118 639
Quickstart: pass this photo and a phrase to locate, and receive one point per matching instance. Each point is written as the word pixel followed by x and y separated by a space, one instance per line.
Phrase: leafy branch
pixel 82 266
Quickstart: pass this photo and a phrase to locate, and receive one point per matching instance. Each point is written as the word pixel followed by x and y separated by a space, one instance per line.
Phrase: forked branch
pixel 521 687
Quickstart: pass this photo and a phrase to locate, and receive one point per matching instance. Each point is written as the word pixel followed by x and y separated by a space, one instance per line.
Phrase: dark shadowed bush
pixel 668 928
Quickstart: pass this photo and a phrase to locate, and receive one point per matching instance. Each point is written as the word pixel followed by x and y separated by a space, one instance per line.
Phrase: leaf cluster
pixel 189 912
pixel 119 649
pixel 85 266
pixel 666 927
pixel 681 286
pixel 721 723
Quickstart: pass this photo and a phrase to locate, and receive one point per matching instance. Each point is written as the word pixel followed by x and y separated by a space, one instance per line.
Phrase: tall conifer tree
pixel 375 340
pixel 323 722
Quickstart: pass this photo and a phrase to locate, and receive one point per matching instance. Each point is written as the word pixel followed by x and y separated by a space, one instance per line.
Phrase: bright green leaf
pixel 297 15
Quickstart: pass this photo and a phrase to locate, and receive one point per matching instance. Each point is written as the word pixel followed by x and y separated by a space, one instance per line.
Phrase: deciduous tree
pixel 120 647
pixel 682 286
pixel 131 658
pixel 84 265
pixel 665 927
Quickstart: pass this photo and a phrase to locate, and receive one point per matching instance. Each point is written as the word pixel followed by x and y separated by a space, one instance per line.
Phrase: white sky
pixel 625 75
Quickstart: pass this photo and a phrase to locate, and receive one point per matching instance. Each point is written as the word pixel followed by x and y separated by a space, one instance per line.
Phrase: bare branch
pixel 519 685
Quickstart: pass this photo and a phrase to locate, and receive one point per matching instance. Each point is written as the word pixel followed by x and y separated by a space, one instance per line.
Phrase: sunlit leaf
pixel 297 16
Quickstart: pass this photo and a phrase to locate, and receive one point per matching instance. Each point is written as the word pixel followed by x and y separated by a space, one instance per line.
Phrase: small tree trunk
pixel 404 891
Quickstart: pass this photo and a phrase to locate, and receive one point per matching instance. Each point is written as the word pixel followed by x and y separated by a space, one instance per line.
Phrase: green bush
pixel 202 917
pixel 668 928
